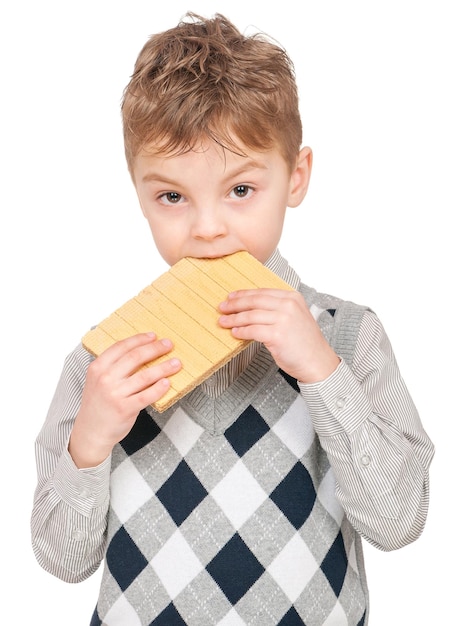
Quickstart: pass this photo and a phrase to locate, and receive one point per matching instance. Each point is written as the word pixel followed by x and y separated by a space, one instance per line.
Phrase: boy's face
pixel 212 202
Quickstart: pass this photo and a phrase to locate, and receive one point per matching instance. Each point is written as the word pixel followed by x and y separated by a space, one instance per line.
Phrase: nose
pixel 208 224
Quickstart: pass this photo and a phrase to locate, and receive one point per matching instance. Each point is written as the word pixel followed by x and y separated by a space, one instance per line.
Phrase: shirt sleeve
pixel 69 515
pixel 370 429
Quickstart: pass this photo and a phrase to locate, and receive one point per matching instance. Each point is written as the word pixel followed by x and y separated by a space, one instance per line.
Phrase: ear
pixel 300 177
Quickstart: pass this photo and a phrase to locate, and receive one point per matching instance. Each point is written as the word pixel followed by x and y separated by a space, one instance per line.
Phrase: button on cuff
pixel 365 460
pixel 78 535
pixel 340 403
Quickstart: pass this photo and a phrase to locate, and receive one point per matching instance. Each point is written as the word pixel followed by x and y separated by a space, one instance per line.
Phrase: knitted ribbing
pixel 339 320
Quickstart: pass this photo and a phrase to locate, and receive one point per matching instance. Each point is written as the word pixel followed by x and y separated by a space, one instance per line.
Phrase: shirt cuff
pixel 82 489
pixel 336 404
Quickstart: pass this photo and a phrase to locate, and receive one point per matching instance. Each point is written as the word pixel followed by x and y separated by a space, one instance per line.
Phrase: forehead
pixel 212 161
pixel 206 154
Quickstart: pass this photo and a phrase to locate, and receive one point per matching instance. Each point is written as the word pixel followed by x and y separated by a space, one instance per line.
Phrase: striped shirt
pixel 363 415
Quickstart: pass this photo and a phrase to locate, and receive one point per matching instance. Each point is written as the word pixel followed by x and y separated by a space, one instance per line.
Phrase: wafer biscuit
pixel 182 304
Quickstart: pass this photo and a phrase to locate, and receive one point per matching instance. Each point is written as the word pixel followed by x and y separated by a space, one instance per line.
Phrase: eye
pixel 241 191
pixel 170 197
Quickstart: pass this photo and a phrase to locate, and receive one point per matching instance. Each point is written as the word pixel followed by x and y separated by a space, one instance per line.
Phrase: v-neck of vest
pixel 216 414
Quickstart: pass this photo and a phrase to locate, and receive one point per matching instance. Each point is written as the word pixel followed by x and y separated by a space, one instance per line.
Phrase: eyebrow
pixel 157 178
pixel 243 169
pixel 238 171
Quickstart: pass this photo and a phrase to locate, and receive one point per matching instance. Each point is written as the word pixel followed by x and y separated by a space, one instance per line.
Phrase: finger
pixel 255 298
pixel 152 394
pixel 127 355
pixel 262 333
pixel 247 317
pixel 274 293
pixel 151 375
pixel 141 355
pixel 121 347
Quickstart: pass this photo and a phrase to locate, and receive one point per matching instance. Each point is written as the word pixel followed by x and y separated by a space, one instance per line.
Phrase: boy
pixel 245 503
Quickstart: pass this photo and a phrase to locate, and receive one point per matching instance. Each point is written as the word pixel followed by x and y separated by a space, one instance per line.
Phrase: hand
pixel 116 390
pixel 281 321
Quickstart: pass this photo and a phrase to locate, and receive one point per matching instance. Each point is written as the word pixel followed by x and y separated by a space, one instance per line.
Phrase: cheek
pixel 269 222
pixel 264 237
pixel 168 239
pixel 158 225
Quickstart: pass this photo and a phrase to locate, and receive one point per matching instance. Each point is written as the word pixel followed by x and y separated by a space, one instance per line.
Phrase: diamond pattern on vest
pixel 210 528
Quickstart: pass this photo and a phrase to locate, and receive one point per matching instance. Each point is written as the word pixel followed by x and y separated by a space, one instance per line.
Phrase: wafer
pixel 182 304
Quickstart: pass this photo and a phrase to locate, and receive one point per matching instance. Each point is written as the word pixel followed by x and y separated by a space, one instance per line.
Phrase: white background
pixel 373 80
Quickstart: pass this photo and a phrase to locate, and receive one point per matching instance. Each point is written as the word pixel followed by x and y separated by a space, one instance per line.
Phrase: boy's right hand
pixel 115 391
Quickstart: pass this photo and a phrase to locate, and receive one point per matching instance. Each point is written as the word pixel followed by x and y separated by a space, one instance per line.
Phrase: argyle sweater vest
pixel 223 509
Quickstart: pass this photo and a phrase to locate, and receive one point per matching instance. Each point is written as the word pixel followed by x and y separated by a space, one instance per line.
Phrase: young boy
pixel 244 503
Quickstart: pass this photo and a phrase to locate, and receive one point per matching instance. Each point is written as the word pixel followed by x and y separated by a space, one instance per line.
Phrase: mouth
pixel 216 256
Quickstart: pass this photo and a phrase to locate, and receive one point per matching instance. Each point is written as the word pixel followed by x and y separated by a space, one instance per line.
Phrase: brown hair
pixel 204 79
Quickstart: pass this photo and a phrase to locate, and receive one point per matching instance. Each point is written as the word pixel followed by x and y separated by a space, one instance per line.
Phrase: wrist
pixel 319 371
pixel 86 453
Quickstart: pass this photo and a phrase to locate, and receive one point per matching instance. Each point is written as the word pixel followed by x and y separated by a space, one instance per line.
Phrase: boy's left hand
pixel 281 321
